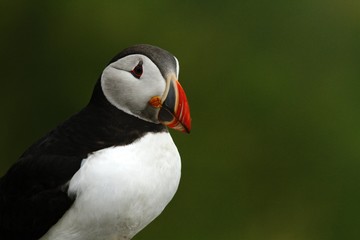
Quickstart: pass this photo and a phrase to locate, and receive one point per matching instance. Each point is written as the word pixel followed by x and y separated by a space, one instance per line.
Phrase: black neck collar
pixel 99 125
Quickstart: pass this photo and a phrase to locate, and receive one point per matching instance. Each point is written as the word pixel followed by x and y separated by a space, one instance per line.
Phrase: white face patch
pixel 129 93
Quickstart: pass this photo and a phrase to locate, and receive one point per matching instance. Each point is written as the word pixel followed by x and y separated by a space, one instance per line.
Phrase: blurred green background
pixel 274 93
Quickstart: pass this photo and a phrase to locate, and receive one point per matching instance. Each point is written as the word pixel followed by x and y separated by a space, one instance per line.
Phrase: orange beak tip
pixel 174 108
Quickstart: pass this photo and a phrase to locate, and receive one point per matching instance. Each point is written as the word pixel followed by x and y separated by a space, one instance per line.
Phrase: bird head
pixel 143 81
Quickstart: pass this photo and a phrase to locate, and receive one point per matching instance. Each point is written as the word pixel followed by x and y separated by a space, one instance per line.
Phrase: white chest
pixel 120 190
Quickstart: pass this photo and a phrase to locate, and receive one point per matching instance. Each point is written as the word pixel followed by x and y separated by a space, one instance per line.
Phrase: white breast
pixel 120 190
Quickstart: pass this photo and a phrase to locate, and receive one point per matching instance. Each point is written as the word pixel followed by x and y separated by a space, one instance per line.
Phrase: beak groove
pixel 174 107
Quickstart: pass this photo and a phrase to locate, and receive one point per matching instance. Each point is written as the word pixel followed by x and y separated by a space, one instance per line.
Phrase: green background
pixel 273 88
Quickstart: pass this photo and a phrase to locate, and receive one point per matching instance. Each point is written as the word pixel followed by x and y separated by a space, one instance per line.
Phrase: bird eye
pixel 138 70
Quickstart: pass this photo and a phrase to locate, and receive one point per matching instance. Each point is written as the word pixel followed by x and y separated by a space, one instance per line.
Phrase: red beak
pixel 174 107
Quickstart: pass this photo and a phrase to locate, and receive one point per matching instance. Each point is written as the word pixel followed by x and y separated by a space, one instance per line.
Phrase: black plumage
pixel 33 194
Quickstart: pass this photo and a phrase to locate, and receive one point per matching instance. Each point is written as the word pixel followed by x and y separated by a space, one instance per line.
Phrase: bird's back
pixel 33 193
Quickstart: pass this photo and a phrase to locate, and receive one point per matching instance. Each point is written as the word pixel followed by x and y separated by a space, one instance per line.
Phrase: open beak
pixel 174 108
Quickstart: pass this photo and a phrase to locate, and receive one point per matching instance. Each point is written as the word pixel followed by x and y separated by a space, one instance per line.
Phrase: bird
pixel 110 169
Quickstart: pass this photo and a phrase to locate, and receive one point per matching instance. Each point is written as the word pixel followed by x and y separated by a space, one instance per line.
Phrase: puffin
pixel 110 169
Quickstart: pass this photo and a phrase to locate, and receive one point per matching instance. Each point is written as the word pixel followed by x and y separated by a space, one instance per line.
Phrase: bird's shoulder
pixel 33 193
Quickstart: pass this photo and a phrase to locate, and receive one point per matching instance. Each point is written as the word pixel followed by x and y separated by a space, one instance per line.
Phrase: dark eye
pixel 138 70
